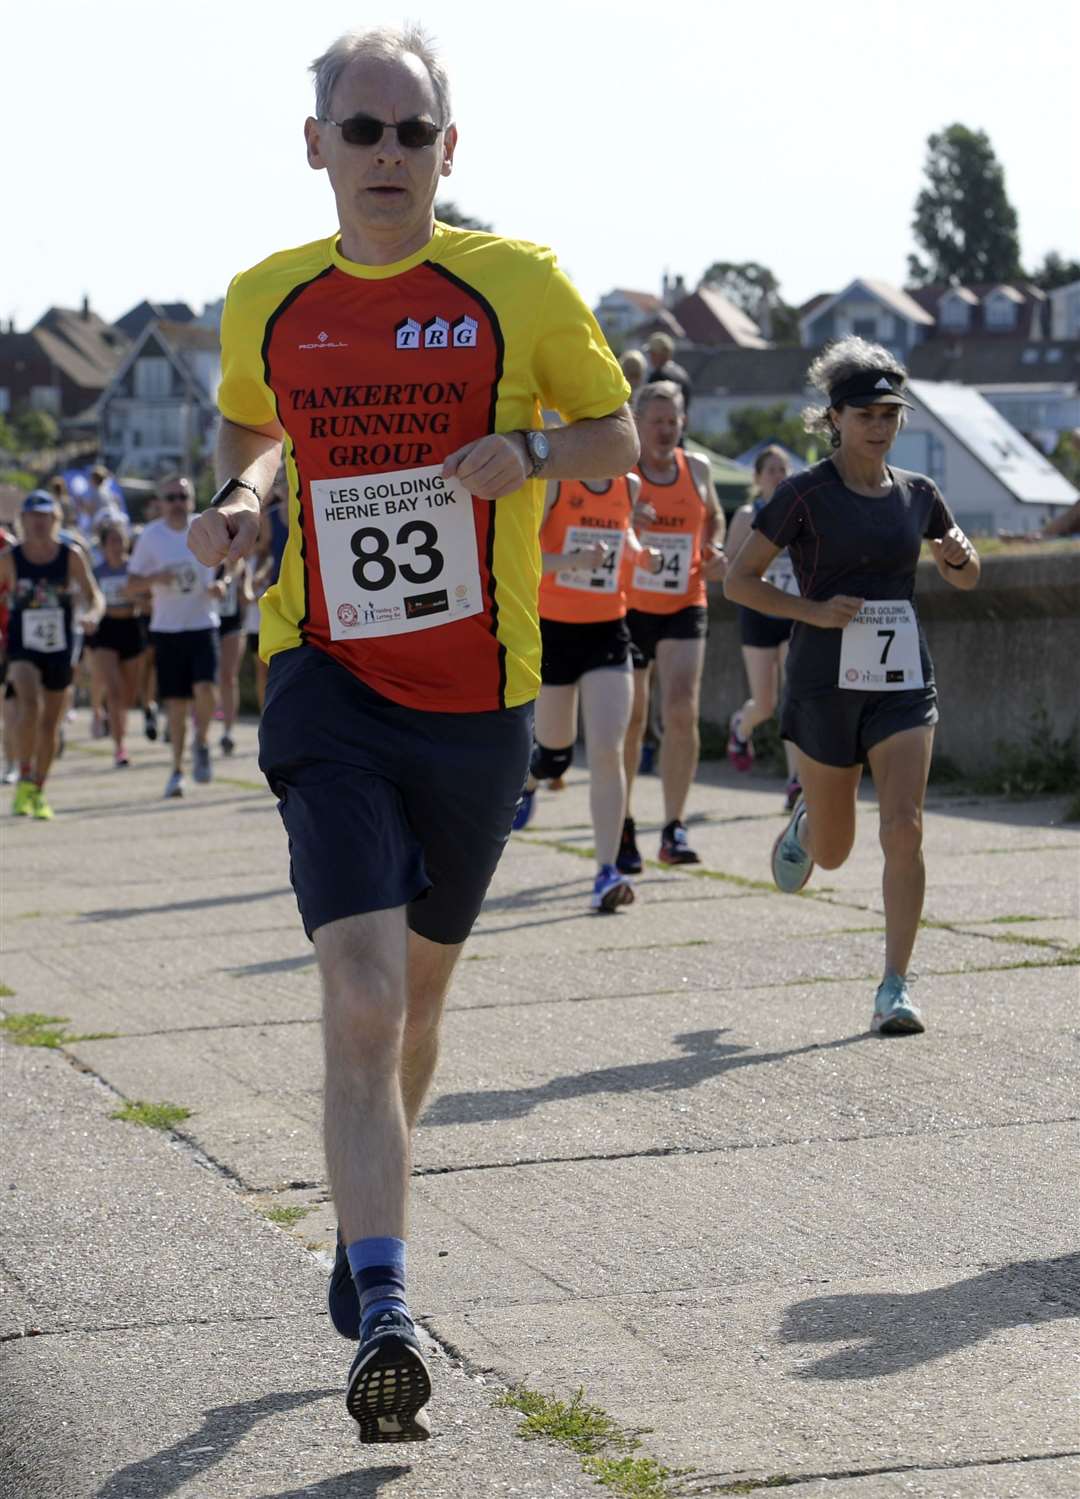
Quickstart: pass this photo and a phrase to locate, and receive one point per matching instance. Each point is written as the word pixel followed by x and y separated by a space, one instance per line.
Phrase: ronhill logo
pixel 436 333
pixel 323 341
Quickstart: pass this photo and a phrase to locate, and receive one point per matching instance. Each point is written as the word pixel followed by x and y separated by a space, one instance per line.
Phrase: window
pixel 1029 356
pixel 922 452
pixel 5 400
pixel 865 327
pixel 45 398
pixel 955 313
pixel 151 378
pixel 1000 312
pixel 1053 356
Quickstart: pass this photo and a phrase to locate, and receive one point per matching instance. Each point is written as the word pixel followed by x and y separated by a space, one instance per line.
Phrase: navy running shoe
pixel 342 1301
pixel 389 1383
pixel 524 812
pixel 628 859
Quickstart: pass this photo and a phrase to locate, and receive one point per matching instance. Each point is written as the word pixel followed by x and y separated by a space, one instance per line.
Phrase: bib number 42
pixel 375 568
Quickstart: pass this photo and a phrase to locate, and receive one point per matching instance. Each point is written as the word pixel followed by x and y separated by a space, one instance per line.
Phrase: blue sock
pixel 378 1271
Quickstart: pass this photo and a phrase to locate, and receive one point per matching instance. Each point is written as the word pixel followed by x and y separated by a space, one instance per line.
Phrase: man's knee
pixel 363 1003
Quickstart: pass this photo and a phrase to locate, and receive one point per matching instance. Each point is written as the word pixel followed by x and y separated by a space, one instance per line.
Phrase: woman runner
pixel 119 641
pixel 860 682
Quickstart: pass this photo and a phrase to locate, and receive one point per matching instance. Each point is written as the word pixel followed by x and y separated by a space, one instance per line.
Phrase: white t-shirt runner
pixel 184 604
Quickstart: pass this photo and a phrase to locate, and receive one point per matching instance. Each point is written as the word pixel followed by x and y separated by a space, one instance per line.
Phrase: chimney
pixel 85 308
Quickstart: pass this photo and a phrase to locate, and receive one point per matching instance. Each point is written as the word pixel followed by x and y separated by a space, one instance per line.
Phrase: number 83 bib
pixel 397 552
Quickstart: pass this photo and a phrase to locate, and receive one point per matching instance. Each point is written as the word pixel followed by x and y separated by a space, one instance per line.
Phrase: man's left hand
pixel 491 466
pixel 714 564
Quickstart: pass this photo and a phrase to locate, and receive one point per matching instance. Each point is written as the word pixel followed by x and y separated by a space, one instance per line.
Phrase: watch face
pixel 539 445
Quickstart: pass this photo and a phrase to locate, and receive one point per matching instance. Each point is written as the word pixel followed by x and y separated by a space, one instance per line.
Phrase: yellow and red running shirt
pixel 578 518
pixel 678 531
pixel 377 374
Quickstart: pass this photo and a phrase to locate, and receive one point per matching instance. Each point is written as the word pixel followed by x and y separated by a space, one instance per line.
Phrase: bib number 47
pixel 375 568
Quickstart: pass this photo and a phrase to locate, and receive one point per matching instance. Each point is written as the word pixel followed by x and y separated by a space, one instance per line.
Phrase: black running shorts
pixel 765 631
pixel 127 637
pixel 647 630
pixel 182 658
pixel 230 624
pixel 54 667
pixel 385 805
pixel 571 650
pixel 839 727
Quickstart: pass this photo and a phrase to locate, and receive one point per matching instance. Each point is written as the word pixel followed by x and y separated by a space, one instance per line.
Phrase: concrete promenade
pixel 664 1163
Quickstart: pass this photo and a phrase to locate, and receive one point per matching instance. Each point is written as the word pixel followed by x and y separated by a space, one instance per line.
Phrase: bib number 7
pixel 375 569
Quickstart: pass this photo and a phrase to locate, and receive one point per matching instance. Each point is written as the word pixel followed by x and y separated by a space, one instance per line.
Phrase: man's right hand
pixel 836 613
pixel 227 533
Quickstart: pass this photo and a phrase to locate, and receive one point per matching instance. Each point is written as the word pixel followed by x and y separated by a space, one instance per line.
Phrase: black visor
pixel 869 388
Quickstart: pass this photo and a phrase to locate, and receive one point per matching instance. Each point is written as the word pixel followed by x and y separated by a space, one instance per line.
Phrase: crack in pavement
pixel 729 1483
pixel 67 1331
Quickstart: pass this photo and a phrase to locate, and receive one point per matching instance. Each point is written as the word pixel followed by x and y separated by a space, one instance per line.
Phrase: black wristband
pixel 230 487
pixel 957 567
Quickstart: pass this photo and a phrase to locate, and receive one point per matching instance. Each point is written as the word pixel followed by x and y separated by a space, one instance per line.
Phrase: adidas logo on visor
pixel 883 384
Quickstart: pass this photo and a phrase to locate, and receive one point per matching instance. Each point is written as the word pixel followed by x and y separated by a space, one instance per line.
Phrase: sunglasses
pixel 180 499
pixel 366 130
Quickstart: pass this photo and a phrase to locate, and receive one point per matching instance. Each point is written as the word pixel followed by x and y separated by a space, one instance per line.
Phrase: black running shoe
pixel 342 1301
pixel 389 1383
pixel 150 723
pixel 628 859
pixel 674 846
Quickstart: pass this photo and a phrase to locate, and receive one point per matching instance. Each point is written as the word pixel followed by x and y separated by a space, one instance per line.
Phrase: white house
pixel 158 412
pixel 875 310
pixel 992 477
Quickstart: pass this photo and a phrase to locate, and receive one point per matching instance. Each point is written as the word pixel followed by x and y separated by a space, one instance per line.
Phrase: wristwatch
pixel 538 449
pixel 230 487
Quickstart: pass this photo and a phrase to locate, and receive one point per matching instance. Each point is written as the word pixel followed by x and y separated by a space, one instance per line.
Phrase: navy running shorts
pixel 765 631
pixel 182 658
pixel 570 650
pixel 54 667
pixel 840 727
pixel 647 630
pixel 386 805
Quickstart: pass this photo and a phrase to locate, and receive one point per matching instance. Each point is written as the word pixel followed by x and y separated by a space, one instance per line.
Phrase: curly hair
pixel 839 361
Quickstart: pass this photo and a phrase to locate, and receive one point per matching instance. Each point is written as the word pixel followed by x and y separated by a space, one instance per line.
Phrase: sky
pixel 153 150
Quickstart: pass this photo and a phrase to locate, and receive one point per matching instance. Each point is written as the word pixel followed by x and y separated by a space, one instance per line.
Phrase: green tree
pixel 449 213
pixel 1055 271
pixel 8 441
pixel 35 430
pixel 963 220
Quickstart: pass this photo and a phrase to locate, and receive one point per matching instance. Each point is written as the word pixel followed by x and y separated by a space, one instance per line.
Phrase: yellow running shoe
pixel 23 805
pixel 42 811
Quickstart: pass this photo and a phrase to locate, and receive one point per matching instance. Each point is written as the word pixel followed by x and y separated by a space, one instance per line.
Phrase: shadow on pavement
pixel 703 1057
pixel 897 1331
pixel 122 913
pixel 223 1427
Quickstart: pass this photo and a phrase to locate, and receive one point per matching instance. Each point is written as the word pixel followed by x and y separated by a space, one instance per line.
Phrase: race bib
pixel 678 553
pixel 43 630
pixel 879 649
pixel 602 579
pixel 230 604
pixel 185 578
pixel 781 574
pixel 113 589
pixel 397 552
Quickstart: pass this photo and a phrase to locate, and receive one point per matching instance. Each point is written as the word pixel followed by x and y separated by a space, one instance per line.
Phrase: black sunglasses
pixel 366 130
pixel 178 497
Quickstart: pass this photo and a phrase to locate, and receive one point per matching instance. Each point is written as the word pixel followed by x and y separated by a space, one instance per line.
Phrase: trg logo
pixel 436 333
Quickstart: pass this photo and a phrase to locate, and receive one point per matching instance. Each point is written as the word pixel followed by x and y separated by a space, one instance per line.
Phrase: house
pixel 158 412
pixel 136 319
pixel 992 477
pixel 1065 311
pixel 61 365
pixel 1033 383
pixel 875 310
pixel 620 310
pixel 991 309
pixel 728 378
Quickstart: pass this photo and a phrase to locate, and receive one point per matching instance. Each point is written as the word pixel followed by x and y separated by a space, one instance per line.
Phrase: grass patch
pixel 242 785
pixel 150 1115
pixel 1009 920
pixel 607 1453
pixel 284 1217
pixel 6 993
pixel 33 1029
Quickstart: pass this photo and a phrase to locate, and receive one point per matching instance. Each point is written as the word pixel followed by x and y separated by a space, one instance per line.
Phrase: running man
pixel 668 611
pixel 764 640
pixel 860 682
pixel 38 578
pixel 405 363
pixel 183 626
pixel 586 538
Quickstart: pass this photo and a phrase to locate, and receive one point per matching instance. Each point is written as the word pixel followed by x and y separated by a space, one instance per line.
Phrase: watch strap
pixel 230 487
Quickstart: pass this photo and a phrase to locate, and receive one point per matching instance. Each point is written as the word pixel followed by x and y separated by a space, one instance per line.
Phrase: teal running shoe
pixel 792 866
pixel 894 1012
